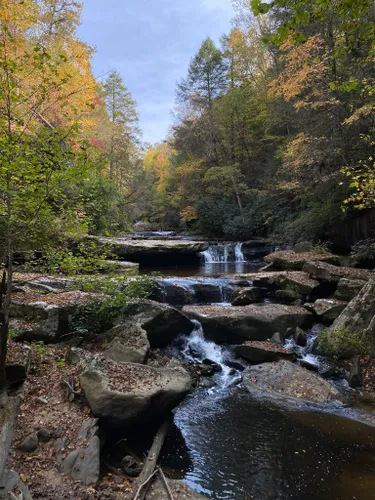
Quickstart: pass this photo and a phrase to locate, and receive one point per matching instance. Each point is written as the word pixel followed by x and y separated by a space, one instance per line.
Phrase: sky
pixel 150 43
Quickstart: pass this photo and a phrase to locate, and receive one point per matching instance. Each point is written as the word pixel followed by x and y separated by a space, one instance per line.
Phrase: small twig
pixel 71 388
pixel 144 484
pixel 165 483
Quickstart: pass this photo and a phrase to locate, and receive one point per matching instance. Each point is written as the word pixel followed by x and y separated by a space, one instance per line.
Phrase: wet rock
pixel 246 296
pixel 300 337
pixel 277 338
pixel 235 364
pixel 329 309
pixel 309 366
pixel 206 370
pixel 125 393
pixel 290 260
pixel 355 377
pixel 29 443
pixel 196 351
pixel 207 293
pixel 259 352
pixel 208 383
pixel 347 289
pixel 287 379
pixel 172 293
pixel 127 343
pixel 215 366
pixel 328 372
pixel 253 322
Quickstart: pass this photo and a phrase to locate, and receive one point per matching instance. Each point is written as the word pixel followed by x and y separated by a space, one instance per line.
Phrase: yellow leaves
pixel 188 214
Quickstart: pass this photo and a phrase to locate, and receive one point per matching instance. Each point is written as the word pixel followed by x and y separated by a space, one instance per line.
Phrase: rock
pixel 162 323
pixel 128 343
pixel 298 282
pixel 287 296
pixel 172 293
pixel 355 377
pixel 121 266
pixel 179 491
pixel 357 321
pixel 42 401
pixel 329 309
pixel 277 338
pixel 207 293
pixel 208 383
pixel 303 247
pixel 287 379
pixel 44 435
pixel 18 362
pixel 347 289
pixel 308 365
pixel 290 260
pixel 123 394
pixel 235 364
pixel 246 296
pixel 13 483
pixel 300 337
pixel 206 370
pixel 47 317
pixel 84 464
pixel 168 250
pixel 29 443
pixel 324 271
pixel 328 372
pixel 253 322
pixel 259 352
pixel 215 366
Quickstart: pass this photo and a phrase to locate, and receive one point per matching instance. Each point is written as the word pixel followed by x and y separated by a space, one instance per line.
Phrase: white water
pixel 196 348
pixel 224 253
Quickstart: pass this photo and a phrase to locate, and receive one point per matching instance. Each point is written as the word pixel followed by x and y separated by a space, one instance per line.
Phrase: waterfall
pixel 222 253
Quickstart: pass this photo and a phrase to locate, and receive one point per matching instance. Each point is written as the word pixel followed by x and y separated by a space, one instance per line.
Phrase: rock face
pixel 357 320
pixel 295 261
pixel 47 317
pixel 347 289
pixel 260 352
pixel 124 394
pixel 288 379
pixel 329 309
pixel 253 322
pixel 161 322
pixel 155 250
pixel 246 296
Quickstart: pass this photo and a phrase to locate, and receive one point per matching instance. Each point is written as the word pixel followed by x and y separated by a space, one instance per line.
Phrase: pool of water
pixel 243 449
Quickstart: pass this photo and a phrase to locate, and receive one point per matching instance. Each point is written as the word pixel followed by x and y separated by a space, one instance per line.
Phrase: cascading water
pixel 222 253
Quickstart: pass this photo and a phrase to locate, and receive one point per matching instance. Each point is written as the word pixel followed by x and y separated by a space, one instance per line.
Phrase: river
pixel 239 447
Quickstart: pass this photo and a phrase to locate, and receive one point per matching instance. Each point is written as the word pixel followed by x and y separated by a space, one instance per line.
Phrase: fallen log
pixel 149 468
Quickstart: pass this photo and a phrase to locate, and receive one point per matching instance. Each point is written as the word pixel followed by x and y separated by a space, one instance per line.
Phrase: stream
pixel 240 447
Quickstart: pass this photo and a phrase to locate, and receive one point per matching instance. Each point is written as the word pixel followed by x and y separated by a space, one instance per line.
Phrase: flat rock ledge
pixel 254 322
pixel 291 260
pixel 286 379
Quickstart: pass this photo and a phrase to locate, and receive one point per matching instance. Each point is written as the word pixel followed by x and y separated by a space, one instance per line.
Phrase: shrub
pixel 363 253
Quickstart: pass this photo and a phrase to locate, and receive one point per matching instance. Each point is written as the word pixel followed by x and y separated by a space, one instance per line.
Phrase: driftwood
pixel 165 483
pixel 149 468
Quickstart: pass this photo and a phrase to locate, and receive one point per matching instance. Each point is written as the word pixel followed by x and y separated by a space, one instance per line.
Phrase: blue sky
pixel 150 42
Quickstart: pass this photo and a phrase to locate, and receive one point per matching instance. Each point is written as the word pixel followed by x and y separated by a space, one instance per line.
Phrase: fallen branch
pixel 150 463
pixel 165 483
pixel 138 493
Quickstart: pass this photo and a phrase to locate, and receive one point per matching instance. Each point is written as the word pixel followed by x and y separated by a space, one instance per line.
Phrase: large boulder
pixel 260 352
pixel 246 296
pixel 125 394
pixel 354 330
pixel 174 293
pixel 328 309
pixel 253 322
pixel 287 379
pixel 290 260
pixel 347 288
pixel 162 322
